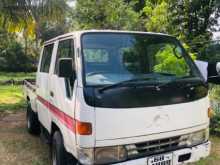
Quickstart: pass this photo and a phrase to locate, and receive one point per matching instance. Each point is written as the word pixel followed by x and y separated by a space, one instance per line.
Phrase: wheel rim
pixel 54 156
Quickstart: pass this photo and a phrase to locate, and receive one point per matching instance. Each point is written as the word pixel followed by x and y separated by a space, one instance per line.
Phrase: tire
pixel 58 150
pixel 59 154
pixel 33 125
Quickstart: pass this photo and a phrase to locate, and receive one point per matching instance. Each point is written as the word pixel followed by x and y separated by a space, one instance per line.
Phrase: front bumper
pixel 196 153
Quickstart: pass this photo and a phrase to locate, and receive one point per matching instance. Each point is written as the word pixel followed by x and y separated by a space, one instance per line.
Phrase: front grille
pixel 154 146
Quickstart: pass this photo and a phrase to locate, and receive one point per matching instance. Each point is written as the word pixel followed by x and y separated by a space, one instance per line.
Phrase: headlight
pixel 199 137
pixel 85 156
pixel 195 138
pixel 110 154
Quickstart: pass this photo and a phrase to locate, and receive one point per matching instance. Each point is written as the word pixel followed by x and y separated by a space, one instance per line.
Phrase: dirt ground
pixel 17 147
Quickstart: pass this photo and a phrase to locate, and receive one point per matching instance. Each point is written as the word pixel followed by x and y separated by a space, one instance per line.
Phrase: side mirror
pixel 213 73
pixel 66 68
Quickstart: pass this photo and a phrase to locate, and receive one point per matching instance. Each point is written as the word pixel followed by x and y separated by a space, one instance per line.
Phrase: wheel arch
pixel 55 127
pixel 70 156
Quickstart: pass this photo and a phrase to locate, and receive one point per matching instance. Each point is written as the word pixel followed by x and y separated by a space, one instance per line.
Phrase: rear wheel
pixel 33 125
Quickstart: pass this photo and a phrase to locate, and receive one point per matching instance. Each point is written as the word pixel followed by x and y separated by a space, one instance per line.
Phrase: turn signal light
pixel 83 128
pixel 210 112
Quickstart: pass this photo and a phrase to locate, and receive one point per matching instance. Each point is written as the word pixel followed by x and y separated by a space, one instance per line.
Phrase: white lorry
pixel 119 97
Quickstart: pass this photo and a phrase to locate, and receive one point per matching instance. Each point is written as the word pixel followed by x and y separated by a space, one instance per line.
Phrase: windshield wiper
pixel 123 83
pixel 188 81
pixel 164 74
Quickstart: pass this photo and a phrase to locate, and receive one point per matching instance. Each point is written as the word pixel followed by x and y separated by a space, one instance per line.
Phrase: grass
pixel 5 76
pixel 11 98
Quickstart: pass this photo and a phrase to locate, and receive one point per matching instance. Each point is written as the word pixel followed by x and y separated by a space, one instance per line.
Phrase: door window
pixel 46 58
pixel 66 50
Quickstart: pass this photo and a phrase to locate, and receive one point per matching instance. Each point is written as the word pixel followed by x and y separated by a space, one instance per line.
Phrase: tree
pixel 194 20
pixel 32 15
pixel 14 16
pixel 46 13
pixel 36 20
pixel 12 55
pixel 105 14
pixel 138 5
pixel 211 52
pixel 156 15
pixel 189 20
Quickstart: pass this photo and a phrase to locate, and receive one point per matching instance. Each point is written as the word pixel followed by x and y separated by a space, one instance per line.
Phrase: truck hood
pixel 133 122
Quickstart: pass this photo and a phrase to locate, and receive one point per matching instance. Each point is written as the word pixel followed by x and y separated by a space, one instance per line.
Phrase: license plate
pixel 165 159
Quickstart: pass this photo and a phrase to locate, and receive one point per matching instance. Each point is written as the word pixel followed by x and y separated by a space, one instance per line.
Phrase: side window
pixel 66 50
pixel 46 58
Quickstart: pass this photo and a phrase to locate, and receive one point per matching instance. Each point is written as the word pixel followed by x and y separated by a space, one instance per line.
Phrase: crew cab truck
pixel 119 97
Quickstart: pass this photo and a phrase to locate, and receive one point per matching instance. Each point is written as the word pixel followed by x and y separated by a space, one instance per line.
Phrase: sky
pixel 217 34
pixel 71 3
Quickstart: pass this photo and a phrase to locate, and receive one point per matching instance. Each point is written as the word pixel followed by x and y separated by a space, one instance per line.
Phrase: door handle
pixel 51 94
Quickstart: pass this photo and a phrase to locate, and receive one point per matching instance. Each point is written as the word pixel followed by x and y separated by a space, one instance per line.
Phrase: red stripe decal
pixel 68 121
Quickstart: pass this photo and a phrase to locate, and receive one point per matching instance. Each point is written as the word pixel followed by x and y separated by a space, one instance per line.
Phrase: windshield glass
pixel 111 58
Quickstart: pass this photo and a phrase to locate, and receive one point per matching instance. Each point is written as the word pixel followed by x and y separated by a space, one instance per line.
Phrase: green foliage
pixel 211 52
pixel 192 20
pixel 13 16
pixel 215 124
pixel 214 92
pixel 12 55
pixel 36 21
pixel 28 14
pixel 214 95
pixel 51 31
pixel 157 16
pixel 14 59
pixel 105 14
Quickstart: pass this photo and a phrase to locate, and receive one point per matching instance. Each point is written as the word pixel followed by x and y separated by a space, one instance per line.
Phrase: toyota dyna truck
pixel 119 97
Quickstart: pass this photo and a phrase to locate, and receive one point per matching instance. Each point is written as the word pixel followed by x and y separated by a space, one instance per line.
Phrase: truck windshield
pixel 111 58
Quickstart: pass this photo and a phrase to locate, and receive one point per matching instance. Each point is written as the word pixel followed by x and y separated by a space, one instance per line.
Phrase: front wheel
pixel 58 150
pixel 59 154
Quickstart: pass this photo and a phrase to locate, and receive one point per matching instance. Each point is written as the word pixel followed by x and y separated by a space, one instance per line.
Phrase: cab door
pixel 63 92
pixel 43 85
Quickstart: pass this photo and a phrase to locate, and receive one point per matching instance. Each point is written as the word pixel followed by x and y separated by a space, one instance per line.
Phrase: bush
pixel 13 59
pixel 215 104
pixel 215 125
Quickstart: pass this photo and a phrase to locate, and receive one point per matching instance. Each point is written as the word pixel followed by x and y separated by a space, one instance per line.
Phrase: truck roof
pixel 98 31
